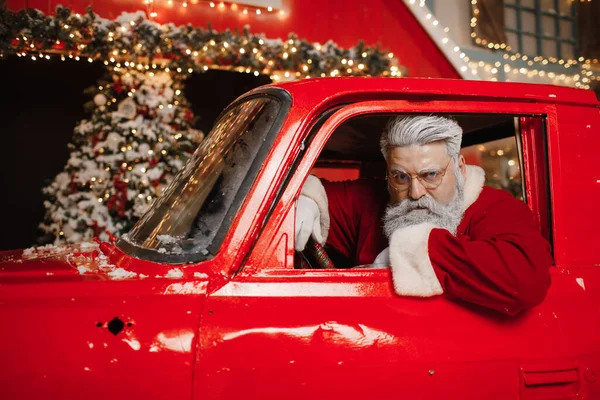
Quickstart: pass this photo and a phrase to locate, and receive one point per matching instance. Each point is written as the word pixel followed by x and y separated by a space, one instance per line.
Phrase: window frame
pixel 134 249
pixel 538 34
pixel 535 178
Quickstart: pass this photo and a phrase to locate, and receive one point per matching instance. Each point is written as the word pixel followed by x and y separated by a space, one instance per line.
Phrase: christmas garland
pixel 136 40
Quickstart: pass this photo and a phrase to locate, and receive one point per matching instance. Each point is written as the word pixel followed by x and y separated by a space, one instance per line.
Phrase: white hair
pixel 405 131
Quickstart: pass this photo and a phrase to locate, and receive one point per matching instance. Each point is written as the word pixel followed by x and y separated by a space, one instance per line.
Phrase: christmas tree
pixel 139 133
pixel 138 137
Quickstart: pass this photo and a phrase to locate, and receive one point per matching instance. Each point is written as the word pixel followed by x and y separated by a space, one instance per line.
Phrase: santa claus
pixel 431 221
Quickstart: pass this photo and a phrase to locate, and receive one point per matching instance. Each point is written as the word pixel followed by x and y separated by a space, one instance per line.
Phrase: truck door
pixel 277 330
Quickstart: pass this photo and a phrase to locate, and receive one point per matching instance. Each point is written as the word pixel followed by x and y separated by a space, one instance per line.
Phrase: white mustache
pixel 445 216
pixel 425 202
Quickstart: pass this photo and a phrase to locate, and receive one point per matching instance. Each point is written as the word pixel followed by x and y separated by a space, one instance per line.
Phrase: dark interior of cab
pixel 355 144
pixel 353 152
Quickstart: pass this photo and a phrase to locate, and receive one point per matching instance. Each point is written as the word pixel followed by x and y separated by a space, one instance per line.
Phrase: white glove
pixel 382 260
pixel 307 222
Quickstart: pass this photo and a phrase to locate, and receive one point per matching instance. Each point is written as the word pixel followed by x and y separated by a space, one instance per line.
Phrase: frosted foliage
pixel 122 157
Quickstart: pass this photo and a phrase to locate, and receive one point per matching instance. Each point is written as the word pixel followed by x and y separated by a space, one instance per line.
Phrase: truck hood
pixel 83 261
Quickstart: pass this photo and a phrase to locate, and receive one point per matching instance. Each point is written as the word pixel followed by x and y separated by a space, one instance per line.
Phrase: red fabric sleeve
pixel 502 264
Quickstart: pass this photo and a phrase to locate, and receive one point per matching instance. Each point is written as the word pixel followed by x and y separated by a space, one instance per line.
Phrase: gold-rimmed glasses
pixel 430 178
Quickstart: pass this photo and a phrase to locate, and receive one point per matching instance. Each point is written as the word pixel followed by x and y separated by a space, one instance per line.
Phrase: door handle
pixel 550 381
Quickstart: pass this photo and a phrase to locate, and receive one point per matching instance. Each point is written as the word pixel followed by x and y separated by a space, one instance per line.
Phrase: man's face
pixel 417 159
pixel 435 200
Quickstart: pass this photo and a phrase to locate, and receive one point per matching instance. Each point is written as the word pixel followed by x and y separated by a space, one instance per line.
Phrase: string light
pixel 151 7
pixel 124 50
pixel 470 70
pixel 506 47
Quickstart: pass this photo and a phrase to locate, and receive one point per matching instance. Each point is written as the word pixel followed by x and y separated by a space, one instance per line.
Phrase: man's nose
pixel 416 189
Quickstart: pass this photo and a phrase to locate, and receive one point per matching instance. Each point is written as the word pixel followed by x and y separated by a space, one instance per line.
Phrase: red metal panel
pixel 52 346
pixel 61 336
pixel 575 183
pixel 345 333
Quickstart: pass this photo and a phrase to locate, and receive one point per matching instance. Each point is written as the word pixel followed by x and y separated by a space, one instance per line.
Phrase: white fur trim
pixel 412 272
pixel 313 189
pixel 473 184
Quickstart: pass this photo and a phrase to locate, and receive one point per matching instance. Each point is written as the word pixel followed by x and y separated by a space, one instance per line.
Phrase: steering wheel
pixel 316 257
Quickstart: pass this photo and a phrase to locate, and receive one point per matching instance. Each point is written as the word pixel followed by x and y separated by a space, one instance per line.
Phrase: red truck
pixel 206 298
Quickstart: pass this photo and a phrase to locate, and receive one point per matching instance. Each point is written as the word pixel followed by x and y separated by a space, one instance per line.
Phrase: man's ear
pixel 462 165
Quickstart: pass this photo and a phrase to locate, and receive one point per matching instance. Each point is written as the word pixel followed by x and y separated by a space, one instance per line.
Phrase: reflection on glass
pixel 187 216
pixel 500 161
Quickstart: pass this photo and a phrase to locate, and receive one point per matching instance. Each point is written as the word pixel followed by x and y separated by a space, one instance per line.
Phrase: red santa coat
pixel 497 259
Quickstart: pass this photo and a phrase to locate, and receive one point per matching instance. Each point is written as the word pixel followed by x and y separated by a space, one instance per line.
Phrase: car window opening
pixel 490 141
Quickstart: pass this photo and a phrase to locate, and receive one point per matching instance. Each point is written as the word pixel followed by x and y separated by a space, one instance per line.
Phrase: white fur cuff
pixel 412 272
pixel 473 184
pixel 313 189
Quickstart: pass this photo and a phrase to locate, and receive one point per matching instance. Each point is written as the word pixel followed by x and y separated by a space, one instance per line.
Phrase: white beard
pixel 426 209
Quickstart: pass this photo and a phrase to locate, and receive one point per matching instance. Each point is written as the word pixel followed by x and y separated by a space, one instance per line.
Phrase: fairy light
pixel 267 67
pixel 457 58
pixel 506 47
pixel 470 71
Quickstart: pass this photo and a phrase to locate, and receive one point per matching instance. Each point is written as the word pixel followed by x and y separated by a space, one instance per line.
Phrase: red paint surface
pixel 387 23
pixel 247 325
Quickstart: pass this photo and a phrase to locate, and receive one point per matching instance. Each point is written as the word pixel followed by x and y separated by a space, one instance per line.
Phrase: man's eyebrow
pixel 430 168
pixel 426 169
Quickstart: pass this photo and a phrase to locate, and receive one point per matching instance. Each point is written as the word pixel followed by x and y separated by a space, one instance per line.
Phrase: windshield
pixel 192 215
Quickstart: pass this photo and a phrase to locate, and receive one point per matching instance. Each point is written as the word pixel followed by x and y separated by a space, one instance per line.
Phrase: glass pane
pixel 187 216
pixel 528 22
pixel 530 45
pixel 500 161
pixel 564 7
pixel 510 18
pixel 548 6
pixel 567 51
pixel 509 1
pixel 549 48
pixel 512 41
pixel 548 28
pixel 528 3
pixel 566 29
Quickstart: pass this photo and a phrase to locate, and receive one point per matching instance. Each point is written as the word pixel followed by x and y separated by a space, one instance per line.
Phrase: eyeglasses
pixel 401 181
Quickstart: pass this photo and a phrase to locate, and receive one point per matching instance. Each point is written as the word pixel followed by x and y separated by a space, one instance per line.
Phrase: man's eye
pixel 430 175
pixel 401 176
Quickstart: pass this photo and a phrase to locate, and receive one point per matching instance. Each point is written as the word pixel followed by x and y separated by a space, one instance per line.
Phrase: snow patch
pixel 32 251
pixel 186 288
pixel 174 273
pixel 83 269
pixel 167 239
pixel 120 273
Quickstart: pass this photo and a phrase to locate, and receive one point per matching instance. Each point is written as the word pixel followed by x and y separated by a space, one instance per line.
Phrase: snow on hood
pixel 81 261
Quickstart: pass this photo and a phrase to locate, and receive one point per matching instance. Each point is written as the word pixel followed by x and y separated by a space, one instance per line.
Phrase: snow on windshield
pixel 187 217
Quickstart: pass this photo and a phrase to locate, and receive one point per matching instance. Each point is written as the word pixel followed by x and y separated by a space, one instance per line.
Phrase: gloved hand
pixel 307 222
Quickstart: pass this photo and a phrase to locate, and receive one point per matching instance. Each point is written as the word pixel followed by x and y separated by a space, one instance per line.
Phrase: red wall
pixel 385 22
